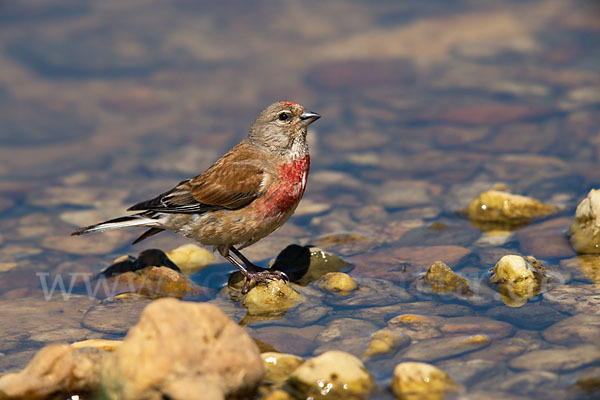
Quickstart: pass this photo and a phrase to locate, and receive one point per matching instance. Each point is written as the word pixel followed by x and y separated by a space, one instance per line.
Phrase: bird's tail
pixel 122 222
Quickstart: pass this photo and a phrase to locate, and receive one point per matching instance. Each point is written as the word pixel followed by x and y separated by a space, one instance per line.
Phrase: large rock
pixel 180 349
pixel 332 375
pixel 584 232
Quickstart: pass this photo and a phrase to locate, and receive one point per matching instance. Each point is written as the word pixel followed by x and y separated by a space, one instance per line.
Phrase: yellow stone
pixel 420 381
pixel 191 258
pixel 271 298
pixel 337 282
pixel 584 232
pixel 279 366
pixel 108 345
pixel 504 207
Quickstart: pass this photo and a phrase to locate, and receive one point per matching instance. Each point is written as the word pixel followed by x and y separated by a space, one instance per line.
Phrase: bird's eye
pixel 284 116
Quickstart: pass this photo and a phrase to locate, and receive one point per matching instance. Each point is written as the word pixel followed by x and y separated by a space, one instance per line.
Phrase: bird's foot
pixel 261 275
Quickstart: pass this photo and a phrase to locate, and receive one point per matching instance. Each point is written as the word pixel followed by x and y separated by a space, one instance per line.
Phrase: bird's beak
pixel 308 117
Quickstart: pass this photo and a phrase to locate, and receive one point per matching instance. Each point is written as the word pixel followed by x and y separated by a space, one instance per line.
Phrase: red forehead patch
pixel 288 103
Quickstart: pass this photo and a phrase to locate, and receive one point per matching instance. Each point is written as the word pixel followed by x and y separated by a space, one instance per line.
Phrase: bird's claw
pixel 263 276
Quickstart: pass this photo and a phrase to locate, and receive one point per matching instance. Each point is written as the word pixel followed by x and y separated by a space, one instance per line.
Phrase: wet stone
pixel 506 208
pixel 115 315
pixel 405 262
pixel 305 264
pixel 398 194
pixel 546 239
pixel 279 366
pixel 383 313
pixel 442 279
pixel 346 243
pixel 584 232
pixel 518 279
pixel 429 350
pixel 356 345
pixel 585 267
pixel 491 328
pixel 576 329
pixel 285 339
pixel 346 327
pixel 45 320
pixel 111 241
pixel 151 274
pixel 344 375
pixel 372 292
pixel 385 341
pixel 501 350
pixel 103 344
pixel 523 383
pixel 417 326
pixel 337 282
pixel 417 380
pixel 557 359
pixel 532 316
pixel 388 230
pixel 574 299
pixel 310 207
pixel 469 371
pixel 460 234
pixel 272 298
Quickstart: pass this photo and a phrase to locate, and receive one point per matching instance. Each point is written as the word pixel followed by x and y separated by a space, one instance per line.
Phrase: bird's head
pixel 281 127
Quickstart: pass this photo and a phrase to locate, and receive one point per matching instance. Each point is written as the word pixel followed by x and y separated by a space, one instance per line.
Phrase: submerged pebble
pixel 579 299
pixel 559 359
pixel 429 350
pixel 576 329
pixel 384 341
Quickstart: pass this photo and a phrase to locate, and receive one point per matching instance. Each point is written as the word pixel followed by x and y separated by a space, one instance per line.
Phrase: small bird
pixel 244 196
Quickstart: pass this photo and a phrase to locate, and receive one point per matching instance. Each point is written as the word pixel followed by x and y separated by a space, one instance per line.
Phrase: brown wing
pixel 234 181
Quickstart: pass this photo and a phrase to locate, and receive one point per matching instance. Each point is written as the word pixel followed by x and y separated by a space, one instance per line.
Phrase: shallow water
pixel 425 105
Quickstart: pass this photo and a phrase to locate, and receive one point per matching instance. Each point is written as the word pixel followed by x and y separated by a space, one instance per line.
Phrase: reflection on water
pixel 425 106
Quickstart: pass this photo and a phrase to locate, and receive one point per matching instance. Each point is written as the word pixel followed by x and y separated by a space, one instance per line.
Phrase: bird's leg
pixel 253 272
